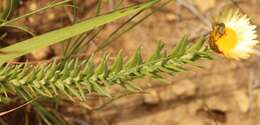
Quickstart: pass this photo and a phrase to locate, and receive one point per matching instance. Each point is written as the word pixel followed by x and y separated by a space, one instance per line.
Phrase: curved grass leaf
pixel 47 39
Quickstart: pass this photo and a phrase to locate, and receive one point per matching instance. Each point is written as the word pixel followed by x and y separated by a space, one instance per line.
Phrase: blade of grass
pixel 11 5
pixel 66 45
pixel 20 28
pixel 59 35
pixel 114 35
pixel 98 7
pixel 33 12
pixel 86 40
pixel 18 107
pixel 79 41
pixel 47 117
pixel 119 3
pixel 107 41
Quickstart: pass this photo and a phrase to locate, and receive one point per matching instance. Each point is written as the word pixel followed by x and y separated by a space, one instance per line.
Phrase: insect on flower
pixel 232 35
pixel 218 30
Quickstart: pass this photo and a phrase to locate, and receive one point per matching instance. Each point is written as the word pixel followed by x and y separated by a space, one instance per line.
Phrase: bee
pixel 218 30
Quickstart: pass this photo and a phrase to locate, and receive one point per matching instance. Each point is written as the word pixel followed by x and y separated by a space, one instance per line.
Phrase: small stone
pixel 242 100
pixel 195 106
pixel 41 53
pixel 31 20
pixel 181 113
pixel 258 99
pixel 171 17
pixel 204 5
pixel 152 97
pixel 193 121
pixel 33 7
pixel 167 94
pixel 185 88
pixel 51 16
pixel 217 103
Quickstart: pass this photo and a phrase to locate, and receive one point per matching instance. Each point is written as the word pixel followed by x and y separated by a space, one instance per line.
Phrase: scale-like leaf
pixel 180 48
pixel 198 44
pixel 135 60
pixel 157 53
pixel 118 64
pixel 102 69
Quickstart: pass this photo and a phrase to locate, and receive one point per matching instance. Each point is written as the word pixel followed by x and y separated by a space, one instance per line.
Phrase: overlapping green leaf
pixel 77 78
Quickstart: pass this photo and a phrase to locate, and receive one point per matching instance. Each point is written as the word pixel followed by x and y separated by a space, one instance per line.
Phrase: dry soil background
pixel 217 94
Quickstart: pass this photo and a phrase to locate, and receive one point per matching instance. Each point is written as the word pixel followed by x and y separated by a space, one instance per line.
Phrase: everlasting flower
pixel 233 36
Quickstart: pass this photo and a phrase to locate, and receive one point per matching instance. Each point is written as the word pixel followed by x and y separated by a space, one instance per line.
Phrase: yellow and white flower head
pixel 233 35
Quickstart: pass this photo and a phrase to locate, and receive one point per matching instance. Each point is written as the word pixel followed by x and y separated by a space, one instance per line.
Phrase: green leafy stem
pixel 76 78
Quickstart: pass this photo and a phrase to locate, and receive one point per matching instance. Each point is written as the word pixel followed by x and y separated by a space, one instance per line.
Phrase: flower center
pixel 227 41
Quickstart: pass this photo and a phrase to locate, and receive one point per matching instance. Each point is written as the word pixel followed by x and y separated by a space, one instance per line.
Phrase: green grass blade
pixel 59 35
pixel 51 5
pixel 124 28
pixel 11 5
